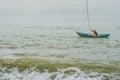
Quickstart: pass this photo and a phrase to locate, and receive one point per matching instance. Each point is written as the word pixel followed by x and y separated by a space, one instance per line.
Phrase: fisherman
pixel 94 33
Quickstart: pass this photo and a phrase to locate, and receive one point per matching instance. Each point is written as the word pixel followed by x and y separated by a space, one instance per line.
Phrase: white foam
pixel 31 74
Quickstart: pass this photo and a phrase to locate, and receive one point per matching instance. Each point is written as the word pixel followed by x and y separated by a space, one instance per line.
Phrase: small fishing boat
pixel 90 36
pixel 87 34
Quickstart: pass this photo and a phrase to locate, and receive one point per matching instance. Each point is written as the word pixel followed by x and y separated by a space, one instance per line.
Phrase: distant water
pixel 38 40
pixel 39 12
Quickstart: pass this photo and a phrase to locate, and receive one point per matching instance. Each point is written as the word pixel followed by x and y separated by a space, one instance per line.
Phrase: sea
pixel 38 40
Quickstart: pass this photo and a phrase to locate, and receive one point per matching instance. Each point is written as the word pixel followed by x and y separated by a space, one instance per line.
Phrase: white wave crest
pixel 61 74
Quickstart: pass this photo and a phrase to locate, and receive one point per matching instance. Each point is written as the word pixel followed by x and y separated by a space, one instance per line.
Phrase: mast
pixel 88 19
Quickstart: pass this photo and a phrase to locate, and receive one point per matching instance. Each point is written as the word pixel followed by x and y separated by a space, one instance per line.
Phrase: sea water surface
pixel 38 40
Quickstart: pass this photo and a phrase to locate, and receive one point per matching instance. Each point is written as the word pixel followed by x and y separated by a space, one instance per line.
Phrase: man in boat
pixel 94 33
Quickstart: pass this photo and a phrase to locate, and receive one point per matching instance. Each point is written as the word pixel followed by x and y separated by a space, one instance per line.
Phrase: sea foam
pixel 62 74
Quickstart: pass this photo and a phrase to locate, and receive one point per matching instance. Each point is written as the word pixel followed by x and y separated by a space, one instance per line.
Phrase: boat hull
pixel 89 36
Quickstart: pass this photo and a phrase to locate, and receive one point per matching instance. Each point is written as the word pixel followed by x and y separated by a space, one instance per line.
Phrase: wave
pixel 71 73
pixel 53 64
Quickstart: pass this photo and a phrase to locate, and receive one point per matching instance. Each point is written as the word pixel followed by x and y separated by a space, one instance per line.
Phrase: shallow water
pixel 38 40
pixel 61 74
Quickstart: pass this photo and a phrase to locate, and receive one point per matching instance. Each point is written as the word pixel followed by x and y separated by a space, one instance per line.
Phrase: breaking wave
pixel 71 73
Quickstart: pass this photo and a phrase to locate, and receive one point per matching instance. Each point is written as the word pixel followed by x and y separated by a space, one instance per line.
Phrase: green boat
pixel 89 35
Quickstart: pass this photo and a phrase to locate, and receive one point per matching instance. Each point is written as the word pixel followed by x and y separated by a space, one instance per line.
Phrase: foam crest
pixel 62 74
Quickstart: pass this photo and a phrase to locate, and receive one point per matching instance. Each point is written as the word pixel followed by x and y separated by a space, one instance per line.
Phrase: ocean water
pixel 38 40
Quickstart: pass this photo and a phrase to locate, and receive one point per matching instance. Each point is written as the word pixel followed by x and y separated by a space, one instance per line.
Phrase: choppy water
pixel 38 40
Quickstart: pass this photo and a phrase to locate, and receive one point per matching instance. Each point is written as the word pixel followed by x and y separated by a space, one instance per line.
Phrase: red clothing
pixel 94 33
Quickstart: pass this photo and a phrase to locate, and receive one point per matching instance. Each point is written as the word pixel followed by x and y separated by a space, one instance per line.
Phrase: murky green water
pixel 38 40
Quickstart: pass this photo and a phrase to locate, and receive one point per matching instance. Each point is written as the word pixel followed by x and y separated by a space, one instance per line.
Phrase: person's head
pixel 93 30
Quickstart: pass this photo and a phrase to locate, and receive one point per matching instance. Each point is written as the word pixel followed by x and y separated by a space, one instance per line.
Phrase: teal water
pixel 38 40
